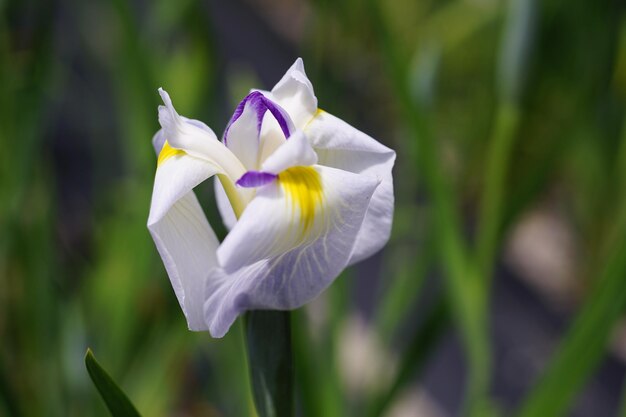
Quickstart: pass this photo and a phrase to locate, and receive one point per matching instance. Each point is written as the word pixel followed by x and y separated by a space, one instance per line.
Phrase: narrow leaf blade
pixel 116 401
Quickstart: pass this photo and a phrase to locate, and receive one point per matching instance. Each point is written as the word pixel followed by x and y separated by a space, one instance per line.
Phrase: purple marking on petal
pixel 279 114
pixel 261 104
pixel 255 179
pixel 238 112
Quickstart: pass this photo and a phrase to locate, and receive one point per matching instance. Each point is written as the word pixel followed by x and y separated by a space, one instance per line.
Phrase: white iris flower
pixel 303 194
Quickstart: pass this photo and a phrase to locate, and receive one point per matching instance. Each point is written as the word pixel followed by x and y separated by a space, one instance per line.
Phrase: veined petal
pixel 288 279
pixel 198 141
pixel 340 145
pixel 294 92
pixel 182 233
pixel 284 214
pixel 174 178
pixel 295 152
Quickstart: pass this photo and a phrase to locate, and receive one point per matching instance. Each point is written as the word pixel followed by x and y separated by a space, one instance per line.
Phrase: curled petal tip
pixel 165 97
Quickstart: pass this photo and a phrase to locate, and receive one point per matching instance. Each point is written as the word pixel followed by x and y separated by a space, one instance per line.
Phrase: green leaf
pixel 117 402
pixel 270 356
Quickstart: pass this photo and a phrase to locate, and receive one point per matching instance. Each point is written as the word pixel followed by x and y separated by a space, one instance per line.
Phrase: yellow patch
pixel 167 152
pixel 303 187
pixel 318 112
pixel 232 194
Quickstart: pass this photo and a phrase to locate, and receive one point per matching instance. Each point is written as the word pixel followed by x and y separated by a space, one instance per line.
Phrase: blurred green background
pixel 501 291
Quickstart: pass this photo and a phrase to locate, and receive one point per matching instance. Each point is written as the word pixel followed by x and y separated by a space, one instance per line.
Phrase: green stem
pixel 270 357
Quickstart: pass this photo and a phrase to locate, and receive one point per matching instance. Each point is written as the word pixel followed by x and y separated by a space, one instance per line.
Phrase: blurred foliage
pixel 493 107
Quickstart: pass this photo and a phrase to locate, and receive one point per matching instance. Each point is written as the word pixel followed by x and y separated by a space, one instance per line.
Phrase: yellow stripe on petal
pixel 318 113
pixel 167 152
pixel 303 187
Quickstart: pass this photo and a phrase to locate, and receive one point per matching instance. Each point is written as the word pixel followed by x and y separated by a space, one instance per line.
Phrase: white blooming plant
pixel 303 194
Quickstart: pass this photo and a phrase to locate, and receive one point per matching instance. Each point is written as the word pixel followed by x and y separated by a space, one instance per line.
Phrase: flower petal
pixel 340 145
pixel 182 233
pixel 253 179
pixel 158 140
pixel 198 141
pixel 297 151
pixel 284 214
pixel 296 276
pixel 294 92
pixel 223 205
pixel 242 136
pixel 259 105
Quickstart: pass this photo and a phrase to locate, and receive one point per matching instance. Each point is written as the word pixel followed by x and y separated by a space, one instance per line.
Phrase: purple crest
pixel 261 104
pixel 255 179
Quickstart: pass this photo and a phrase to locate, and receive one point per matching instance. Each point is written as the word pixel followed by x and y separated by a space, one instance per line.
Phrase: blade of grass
pixel 495 177
pixel 585 343
pixel 465 289
pixel 117 402
pixel 514 51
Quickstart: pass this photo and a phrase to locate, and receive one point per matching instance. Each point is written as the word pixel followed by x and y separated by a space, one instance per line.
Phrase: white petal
pixel 158 140
pixel 276 220
pixel 272 137
pixel 198 141
pixel 243 137
pixel 182 233
pixel 340 145
pixel 281 218
pixel 294 92
pixel 296 151
pixel 226 210
pixel 293 278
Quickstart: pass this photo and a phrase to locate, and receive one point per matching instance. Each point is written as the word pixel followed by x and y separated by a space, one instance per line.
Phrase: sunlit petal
pixel 197 141
pixel 340 145
pixel 283 278
pixel 242 137
pixel 294 92
pixel 223 205
pixel 294 152
pixel 181 232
